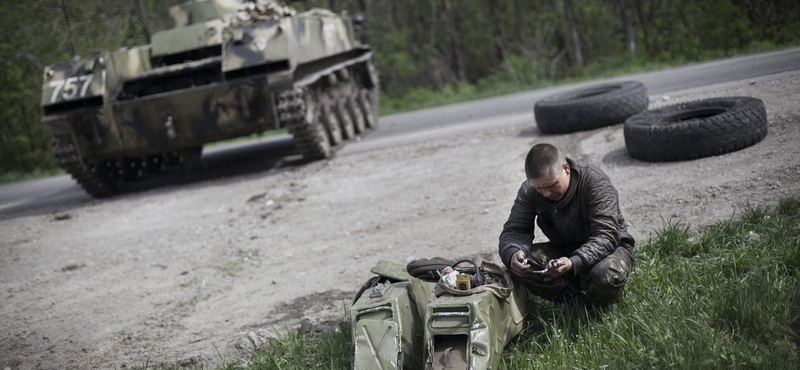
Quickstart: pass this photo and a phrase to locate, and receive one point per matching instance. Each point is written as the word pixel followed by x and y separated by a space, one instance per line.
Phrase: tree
pixel 630 39
pixel 573 32
pixel 455 45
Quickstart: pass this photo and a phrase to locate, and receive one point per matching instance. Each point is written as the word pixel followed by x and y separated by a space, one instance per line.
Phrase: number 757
pixel 69 88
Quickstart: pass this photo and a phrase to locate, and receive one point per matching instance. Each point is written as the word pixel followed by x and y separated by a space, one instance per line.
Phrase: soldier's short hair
pixel 543 160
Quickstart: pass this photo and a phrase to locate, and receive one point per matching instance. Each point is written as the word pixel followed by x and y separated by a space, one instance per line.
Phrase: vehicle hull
pixel 226 70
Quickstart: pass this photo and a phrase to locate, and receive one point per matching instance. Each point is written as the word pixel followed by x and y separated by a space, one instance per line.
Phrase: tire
pixel 590 107
pixel 696 129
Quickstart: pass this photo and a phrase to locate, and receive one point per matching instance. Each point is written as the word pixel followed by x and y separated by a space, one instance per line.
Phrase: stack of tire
pixel 682 131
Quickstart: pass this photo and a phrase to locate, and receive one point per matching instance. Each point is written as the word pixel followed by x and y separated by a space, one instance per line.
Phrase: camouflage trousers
pixel 600 285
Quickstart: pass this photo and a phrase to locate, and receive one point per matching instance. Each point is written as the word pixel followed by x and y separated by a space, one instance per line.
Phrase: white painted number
pixel 87 80
pixel 69 88
pixel 57 84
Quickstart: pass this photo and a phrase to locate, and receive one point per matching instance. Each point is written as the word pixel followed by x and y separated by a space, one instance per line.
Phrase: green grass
pixel 728 298
pixel 299 352
pixel 291 351
pixel 526 78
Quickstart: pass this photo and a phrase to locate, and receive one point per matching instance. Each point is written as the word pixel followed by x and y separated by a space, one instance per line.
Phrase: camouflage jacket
pixel 585 223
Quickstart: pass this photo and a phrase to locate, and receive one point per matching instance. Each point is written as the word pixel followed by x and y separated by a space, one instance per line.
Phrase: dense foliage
pixel 424 49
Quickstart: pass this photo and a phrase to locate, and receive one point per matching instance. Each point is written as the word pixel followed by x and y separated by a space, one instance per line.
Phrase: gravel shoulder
pixel 184 273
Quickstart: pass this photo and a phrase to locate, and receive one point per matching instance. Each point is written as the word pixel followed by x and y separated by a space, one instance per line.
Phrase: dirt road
pixel 184 273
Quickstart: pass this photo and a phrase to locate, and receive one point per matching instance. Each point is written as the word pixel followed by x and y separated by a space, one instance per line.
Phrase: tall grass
pixel 728 298
pixel 298 352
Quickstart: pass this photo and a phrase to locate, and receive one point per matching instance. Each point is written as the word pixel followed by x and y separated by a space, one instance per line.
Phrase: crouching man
pixel 590 252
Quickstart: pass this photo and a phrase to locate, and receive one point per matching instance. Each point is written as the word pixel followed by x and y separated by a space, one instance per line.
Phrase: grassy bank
pixel 519 75
pixel 728 297
pixel 15 176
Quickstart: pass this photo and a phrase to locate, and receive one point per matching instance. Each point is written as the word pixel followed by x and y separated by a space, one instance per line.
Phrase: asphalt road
pixel 60 193
pixel 657 83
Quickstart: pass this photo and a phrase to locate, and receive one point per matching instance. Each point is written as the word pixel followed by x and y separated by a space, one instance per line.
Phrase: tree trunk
pixel 500 41
pixel 144 20
pixel 626 22
pixel 432 28
pixel 643 25
pixel 499 33
pixel 69 30
pixel 363 8
pixel 573 30
pixel 518 20
pixel 455 45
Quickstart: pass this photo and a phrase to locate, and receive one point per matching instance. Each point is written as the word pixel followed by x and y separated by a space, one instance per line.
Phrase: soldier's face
pixel 554 185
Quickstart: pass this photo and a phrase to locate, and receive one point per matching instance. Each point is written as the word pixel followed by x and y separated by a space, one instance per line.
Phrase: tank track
pixel 309 136
pixel 67 157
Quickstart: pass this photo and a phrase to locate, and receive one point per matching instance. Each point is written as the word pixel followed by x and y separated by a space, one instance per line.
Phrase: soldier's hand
pixel 518 267
pixel 559 267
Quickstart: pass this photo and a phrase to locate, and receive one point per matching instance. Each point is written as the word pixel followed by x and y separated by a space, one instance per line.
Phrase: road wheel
pixel 317 145
pixel 590 107
pixel 366 104
pixel 323 144
pixel 356 114
pixel 332 124
pixel 696 129
pixel 302 116
pixel 343 115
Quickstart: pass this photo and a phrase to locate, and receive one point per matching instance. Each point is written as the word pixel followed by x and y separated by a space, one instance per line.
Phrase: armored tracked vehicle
pixel 227 69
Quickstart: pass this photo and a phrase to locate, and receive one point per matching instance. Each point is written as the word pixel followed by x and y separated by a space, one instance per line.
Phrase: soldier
pixel 590 252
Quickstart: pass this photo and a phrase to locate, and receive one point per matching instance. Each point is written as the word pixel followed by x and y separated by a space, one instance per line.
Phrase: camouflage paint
pixel 74 81
pixel 96 100
pixel 199 11
pixel 191 37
